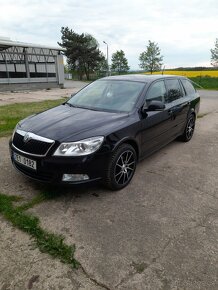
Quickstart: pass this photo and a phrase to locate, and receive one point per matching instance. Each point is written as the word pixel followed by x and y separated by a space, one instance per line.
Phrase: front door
pixel 156 125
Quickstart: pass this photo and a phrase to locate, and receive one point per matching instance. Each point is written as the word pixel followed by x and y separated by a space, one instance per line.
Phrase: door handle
pixel 186 104
pixel 172 115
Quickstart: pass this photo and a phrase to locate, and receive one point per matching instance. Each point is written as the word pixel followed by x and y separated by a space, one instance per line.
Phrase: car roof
pixel 140 77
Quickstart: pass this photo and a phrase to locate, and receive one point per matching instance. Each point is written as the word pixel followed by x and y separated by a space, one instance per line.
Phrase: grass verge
pixel 10 115
pixel 202 115
pixel 208 83
pixel 46 242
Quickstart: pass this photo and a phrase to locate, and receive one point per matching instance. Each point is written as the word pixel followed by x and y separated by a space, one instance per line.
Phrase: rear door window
pixel 174 90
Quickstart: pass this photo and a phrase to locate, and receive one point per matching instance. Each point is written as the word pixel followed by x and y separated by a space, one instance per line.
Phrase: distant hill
pixel 197 68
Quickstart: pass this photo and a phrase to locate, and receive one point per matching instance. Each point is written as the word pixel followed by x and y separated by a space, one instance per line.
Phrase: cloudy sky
pixel 184 30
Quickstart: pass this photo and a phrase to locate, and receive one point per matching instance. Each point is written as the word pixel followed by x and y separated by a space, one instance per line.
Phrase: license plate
pixel 24 161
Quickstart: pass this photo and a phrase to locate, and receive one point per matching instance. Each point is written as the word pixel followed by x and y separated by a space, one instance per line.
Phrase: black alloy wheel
pixel 121 167
pixel 189 129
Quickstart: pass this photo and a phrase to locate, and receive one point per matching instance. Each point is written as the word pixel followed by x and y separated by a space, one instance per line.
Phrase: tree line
pixel 84 56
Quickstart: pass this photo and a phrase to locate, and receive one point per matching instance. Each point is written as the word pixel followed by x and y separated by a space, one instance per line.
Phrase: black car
pixel 105 129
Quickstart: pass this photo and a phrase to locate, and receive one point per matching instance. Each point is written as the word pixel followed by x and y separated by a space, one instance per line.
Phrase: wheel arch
pixel 192 111
pixel 131 142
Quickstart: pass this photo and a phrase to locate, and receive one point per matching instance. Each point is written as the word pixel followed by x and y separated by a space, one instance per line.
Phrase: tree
pixel 151 59
pixel 82 52
pixel 102 66
pixel 214 54
pixel 119 62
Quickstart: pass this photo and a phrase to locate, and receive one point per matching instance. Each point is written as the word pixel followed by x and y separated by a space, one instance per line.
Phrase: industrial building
pixel 29 66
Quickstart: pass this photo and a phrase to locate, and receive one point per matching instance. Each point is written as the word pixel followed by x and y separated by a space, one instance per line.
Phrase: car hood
pixel 64 123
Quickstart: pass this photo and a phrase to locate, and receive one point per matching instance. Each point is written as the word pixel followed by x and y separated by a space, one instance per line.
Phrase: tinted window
pixel 188 87
pixel 156 92
pixel 174 91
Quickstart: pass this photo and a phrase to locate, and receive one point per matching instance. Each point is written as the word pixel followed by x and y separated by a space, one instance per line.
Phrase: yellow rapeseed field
pixel 190 74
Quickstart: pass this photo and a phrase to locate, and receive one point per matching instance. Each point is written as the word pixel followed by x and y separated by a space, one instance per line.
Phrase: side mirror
pixel 155 106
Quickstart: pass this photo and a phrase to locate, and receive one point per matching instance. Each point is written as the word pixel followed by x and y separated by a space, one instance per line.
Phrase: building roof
pixel 6 42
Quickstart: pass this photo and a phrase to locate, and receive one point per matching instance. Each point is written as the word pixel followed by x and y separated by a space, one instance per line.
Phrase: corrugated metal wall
pixel 28 64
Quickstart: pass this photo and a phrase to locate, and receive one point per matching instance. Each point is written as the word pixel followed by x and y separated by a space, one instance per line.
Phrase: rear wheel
pixel 121 167
pixel 189 129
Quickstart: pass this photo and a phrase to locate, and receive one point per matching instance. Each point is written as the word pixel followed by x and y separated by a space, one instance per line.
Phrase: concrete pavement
pixel 161 232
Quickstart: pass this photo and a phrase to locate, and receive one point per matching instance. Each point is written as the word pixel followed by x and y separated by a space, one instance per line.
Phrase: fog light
pixel 74 177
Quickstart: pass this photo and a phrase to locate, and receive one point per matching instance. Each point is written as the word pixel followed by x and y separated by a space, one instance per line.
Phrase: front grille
pixel 34 146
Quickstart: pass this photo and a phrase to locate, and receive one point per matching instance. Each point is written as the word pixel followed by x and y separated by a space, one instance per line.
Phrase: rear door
pixel 178 104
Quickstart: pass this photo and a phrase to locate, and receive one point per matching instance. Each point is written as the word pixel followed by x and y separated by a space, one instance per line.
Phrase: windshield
pixel 108 95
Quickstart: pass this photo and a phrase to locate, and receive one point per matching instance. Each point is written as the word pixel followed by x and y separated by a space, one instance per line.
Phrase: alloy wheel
pixel 190 127
pixel 125 167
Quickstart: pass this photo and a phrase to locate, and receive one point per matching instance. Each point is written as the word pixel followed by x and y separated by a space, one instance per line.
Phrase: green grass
pixel 10 115
pixel 208 83
pixel 139 267
pixel 202 115
pixel 46 242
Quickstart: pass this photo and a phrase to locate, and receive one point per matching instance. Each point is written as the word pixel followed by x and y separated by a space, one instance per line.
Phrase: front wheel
pixel 189 129
pixel 121 167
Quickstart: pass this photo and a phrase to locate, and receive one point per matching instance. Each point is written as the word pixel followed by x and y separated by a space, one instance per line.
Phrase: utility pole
pixel 107 59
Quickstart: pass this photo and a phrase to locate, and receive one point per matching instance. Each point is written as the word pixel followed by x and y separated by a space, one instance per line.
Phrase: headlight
pixel 79 148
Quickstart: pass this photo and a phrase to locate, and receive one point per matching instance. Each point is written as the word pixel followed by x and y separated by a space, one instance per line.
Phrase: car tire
pixel 121 167
pixel 189 129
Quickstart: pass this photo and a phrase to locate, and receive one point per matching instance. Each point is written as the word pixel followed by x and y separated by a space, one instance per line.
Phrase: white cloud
pixel 185 30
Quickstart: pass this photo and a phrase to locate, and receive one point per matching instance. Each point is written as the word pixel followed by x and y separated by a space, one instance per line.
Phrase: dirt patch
pixel 40 95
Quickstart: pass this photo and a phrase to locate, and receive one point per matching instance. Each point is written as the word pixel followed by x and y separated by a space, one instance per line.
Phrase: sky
pixel 185 31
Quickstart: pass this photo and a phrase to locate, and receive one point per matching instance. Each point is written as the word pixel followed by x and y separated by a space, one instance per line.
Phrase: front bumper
pixel 51 168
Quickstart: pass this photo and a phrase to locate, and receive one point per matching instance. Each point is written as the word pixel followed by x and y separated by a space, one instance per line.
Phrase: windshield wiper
pixel 70 105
